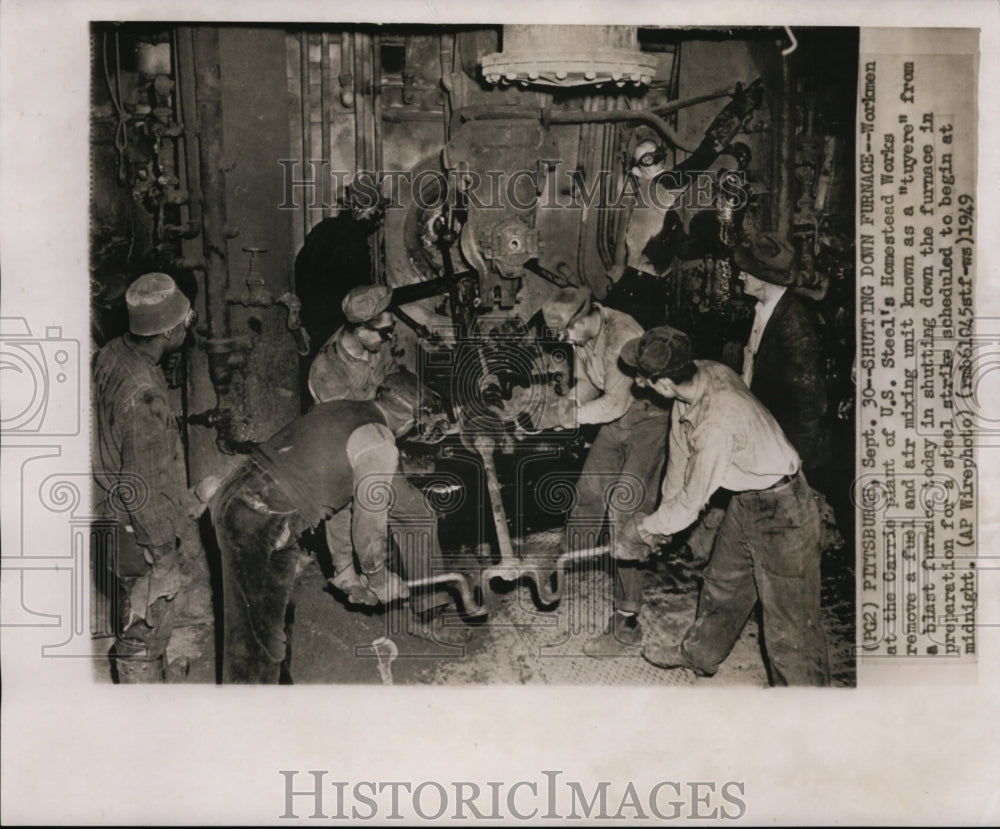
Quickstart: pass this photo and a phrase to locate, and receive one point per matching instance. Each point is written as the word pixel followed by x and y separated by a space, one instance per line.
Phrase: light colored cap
pixel 155 305
pixel 364 303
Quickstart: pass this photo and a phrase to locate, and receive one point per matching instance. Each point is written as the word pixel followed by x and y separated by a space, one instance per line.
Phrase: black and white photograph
pixel 396 304
pixel 571 415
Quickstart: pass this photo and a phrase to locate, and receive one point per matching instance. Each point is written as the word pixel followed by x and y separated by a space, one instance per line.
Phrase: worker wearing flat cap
pixel 141 482
pixel 352 364
pixel 626 457
pixel 360 354
pixel 783 356
pixel 768 546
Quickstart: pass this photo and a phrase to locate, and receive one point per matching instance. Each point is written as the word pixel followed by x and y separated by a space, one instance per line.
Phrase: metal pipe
pixel 364 139
pixel 458 582
pixel 542 575
pixel 208 97
pixel 304 100
pixel 549 116
pixel 404 116
pixel 785 161
pixel 378 237
pixel 325 91
pixel 584 159
pixel 385 652
pixel 346 77
pixel 184 72
pixel 683 103
pixel 485 446
pixel 619 117
pixel 376 72
pixel 447 53
pixel 609 135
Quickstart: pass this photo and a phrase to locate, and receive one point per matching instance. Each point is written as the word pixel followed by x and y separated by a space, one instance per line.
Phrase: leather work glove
pixel 354 587
pixel 632 543
pixel 387 586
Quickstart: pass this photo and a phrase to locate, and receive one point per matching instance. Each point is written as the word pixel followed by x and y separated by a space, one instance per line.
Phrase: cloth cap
pixel 366 302
pixel 659 351
pixel 564 306
pixel 155 305
pixel 768 256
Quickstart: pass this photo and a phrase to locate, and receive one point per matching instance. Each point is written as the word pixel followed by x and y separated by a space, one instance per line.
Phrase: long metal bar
pixel 548 577
pixel 456 581
pixel 485 447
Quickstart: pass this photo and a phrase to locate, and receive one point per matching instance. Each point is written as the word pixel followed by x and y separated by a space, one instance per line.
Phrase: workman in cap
pixel 767 548
pixel 360 355
pixel 654 229
pixel 158 563
pixel 627 453
pixel 352 364
pixel 337 461
pixel 783 357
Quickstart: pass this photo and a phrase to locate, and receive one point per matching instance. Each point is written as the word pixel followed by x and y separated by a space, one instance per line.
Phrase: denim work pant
pixel 622 476
pixel 257 529
pixel 767 549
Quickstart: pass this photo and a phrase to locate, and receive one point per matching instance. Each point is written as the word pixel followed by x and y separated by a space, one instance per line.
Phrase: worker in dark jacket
pixel 782 359
pixel 139 472
pixel 334 259
pixel 340 457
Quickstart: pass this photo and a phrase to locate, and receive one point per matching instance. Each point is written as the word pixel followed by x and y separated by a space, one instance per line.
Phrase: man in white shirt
pixel 768 544
pixel 622 470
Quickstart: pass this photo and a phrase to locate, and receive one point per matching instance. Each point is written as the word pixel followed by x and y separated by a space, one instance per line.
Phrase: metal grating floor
pixel 528 646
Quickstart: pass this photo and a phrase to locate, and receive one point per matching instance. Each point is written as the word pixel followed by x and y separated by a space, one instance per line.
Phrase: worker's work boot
pixel 622 633
pixel 354 589
pixel 670 656
pixel 134 664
